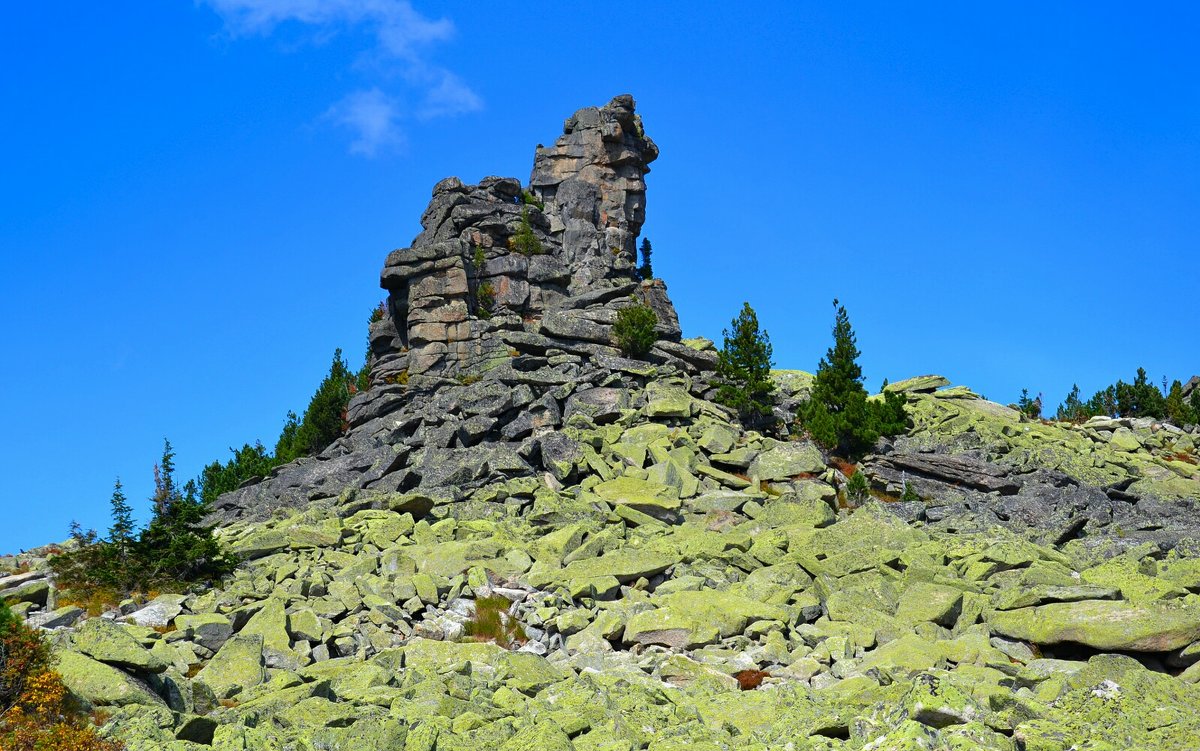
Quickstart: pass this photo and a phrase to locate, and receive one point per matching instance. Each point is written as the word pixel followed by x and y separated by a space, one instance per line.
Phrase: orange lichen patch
pixel 748 680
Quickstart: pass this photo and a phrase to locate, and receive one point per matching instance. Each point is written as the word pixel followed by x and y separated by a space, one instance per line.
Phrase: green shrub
pixel 525 241
pixel 529 199
pixel 634 330
pixel 838 414
pixel 909 494
pixel 744 368
pixel 248 463
pixel 857 490
pixel 485 299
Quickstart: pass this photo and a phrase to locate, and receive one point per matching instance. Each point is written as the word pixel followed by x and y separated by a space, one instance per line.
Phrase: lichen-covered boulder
pixel 237 667
pixel 108 642
pixel 786 460
pixel 1104 624
pixel 691 619
pixel 98 685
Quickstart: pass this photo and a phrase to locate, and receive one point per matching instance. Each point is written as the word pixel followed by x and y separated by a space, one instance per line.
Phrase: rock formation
pixel 526 540
pixel 585 205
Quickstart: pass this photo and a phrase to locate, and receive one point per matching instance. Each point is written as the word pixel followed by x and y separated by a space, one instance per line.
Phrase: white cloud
pixel 449 96
pixel 372 116
pixel 402 37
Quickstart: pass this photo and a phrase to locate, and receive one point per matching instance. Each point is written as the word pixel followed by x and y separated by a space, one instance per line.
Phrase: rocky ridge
pixel 679 582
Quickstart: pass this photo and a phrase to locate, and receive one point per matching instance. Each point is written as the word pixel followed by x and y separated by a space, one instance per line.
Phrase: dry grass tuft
pixel 493 623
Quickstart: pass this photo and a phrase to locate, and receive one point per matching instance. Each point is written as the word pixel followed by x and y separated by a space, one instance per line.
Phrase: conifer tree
pixel 744 366
pixel 120 532
pixel 1072 409
pixel 646 270
pixel 285 448
pixel 837 414
pixel 1177 409
pixel 325 419
pixel 165 492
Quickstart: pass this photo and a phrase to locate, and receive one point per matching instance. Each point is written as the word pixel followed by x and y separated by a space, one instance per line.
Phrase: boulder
pixel 786 460
pixel 236 668
pixel 95 684
pixel 1111 625
pixel 108 642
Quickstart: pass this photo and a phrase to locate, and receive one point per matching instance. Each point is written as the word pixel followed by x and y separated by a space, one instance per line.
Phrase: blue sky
pixel 198 197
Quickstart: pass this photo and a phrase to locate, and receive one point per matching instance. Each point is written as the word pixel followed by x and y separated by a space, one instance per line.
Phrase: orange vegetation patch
pixel 748 680
pixel 846 468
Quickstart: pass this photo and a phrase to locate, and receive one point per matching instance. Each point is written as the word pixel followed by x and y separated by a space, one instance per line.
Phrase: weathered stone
pixel 786 460
pixel 209 630
pixel 108 642
pixel 1103 624
pixel 237 667
pixel 95 684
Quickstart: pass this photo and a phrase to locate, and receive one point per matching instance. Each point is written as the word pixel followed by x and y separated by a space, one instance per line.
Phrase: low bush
pixel 634 330
pixel 524 241
pixel 36 713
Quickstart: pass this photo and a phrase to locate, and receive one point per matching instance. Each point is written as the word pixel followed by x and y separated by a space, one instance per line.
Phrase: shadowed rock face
pixel 468 275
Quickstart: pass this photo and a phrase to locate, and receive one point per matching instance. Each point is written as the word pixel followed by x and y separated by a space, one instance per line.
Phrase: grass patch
pixel 492 622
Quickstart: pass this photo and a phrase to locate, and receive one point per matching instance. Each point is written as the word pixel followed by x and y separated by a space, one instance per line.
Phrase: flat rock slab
pixel 956 470
pixel 1103 624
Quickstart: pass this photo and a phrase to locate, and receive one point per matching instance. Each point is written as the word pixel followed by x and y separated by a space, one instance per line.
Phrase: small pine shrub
pixel 1031 408
pixel 525 241
pixel 634 330
pixel 857 490
pixel 646 270
pixel 909 495
pixel 478 259
pixel 838 415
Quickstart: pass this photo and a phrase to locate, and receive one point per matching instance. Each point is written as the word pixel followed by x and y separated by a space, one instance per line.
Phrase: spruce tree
pixel 120 532
pixel 1177 409
pixel 646 270
pixel 325 419
pixel 165 492
pixel 838 415
pixel 744 367
pixel 1072 409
